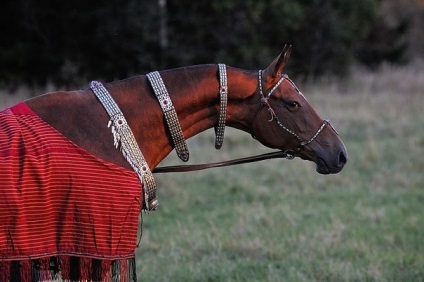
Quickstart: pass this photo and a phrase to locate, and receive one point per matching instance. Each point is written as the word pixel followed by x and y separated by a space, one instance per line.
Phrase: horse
pixel 89 192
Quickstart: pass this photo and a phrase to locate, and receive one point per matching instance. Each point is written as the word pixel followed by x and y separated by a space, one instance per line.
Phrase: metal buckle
pixel 289 154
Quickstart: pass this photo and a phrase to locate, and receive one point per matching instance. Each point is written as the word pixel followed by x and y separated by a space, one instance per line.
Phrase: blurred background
pixel 76 41
pixel 359 63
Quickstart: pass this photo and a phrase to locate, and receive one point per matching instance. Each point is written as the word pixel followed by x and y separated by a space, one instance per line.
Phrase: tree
pixel 115 39
pixel 76 39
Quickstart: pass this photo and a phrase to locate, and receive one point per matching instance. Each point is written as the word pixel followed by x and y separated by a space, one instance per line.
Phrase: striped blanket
pixel 63 211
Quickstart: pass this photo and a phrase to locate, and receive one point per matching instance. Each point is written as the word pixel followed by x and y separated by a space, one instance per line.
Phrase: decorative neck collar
pixel 124 140
pixel 223 95
pixel 170 115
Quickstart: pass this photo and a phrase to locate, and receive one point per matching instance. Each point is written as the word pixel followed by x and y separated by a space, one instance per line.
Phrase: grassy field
pixel 279 220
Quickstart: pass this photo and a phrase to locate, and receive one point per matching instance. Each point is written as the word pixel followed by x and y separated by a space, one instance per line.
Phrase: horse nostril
pixel 342 159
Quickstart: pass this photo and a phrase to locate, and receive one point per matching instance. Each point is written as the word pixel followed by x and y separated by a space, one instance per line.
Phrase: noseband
pixel 290 154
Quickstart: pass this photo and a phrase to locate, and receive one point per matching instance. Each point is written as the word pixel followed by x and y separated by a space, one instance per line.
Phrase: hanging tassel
pixel 132 270
pixel 5 271
pixel 106 271
pixel 116 269
pixel 26 270
pixel 85 268
pixel 65 267
pixel 44 269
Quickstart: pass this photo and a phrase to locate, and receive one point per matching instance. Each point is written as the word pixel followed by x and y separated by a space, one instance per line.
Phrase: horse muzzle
pixel 331 162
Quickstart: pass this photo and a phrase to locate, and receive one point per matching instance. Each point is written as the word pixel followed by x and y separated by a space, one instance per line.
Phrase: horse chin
pixel 321 167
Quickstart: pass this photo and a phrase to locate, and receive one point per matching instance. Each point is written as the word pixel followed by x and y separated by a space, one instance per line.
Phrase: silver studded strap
pixel 223 94
pixel 170 115
pixel 124 140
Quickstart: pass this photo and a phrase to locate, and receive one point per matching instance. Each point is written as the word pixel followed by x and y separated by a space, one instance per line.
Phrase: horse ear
pixel 277 66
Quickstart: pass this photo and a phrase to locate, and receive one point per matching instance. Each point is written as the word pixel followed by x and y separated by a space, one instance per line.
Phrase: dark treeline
pixel 72 40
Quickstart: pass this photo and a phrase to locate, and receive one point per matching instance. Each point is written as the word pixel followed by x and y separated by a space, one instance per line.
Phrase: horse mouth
pixel 323 168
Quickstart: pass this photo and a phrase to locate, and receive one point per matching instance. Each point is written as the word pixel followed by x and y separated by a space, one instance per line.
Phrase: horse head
pixel 286 121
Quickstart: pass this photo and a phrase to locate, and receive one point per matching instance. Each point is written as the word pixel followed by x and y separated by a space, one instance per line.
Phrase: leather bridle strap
pixel 187 168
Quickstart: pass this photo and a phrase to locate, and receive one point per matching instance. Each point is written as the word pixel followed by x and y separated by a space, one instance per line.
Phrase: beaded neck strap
pixel 124 140
pixel 223 94
pixel 170 115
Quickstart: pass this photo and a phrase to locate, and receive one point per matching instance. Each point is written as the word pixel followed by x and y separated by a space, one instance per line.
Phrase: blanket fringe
pixel 66 268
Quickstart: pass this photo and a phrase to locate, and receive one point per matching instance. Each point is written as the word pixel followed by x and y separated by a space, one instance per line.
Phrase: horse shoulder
pixel 78 116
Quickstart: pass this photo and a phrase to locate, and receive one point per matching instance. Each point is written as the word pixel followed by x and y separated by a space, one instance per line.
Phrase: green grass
pixel 279 220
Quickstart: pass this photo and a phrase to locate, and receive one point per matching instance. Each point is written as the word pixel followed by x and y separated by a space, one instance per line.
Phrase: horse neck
pixel 194 91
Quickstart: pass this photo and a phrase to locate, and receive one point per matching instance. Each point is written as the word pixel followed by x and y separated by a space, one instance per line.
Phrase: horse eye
pixel 292 105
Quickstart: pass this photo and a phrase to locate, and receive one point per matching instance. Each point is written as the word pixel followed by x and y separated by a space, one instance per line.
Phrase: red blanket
pixel 63 211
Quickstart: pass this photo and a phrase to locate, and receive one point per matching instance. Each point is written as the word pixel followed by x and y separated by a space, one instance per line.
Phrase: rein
pixel 196 167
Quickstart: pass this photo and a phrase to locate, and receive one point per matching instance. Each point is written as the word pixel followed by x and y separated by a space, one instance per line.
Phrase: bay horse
pixel 70 200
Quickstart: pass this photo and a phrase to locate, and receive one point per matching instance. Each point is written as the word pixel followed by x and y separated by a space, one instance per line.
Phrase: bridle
pixel 264 101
